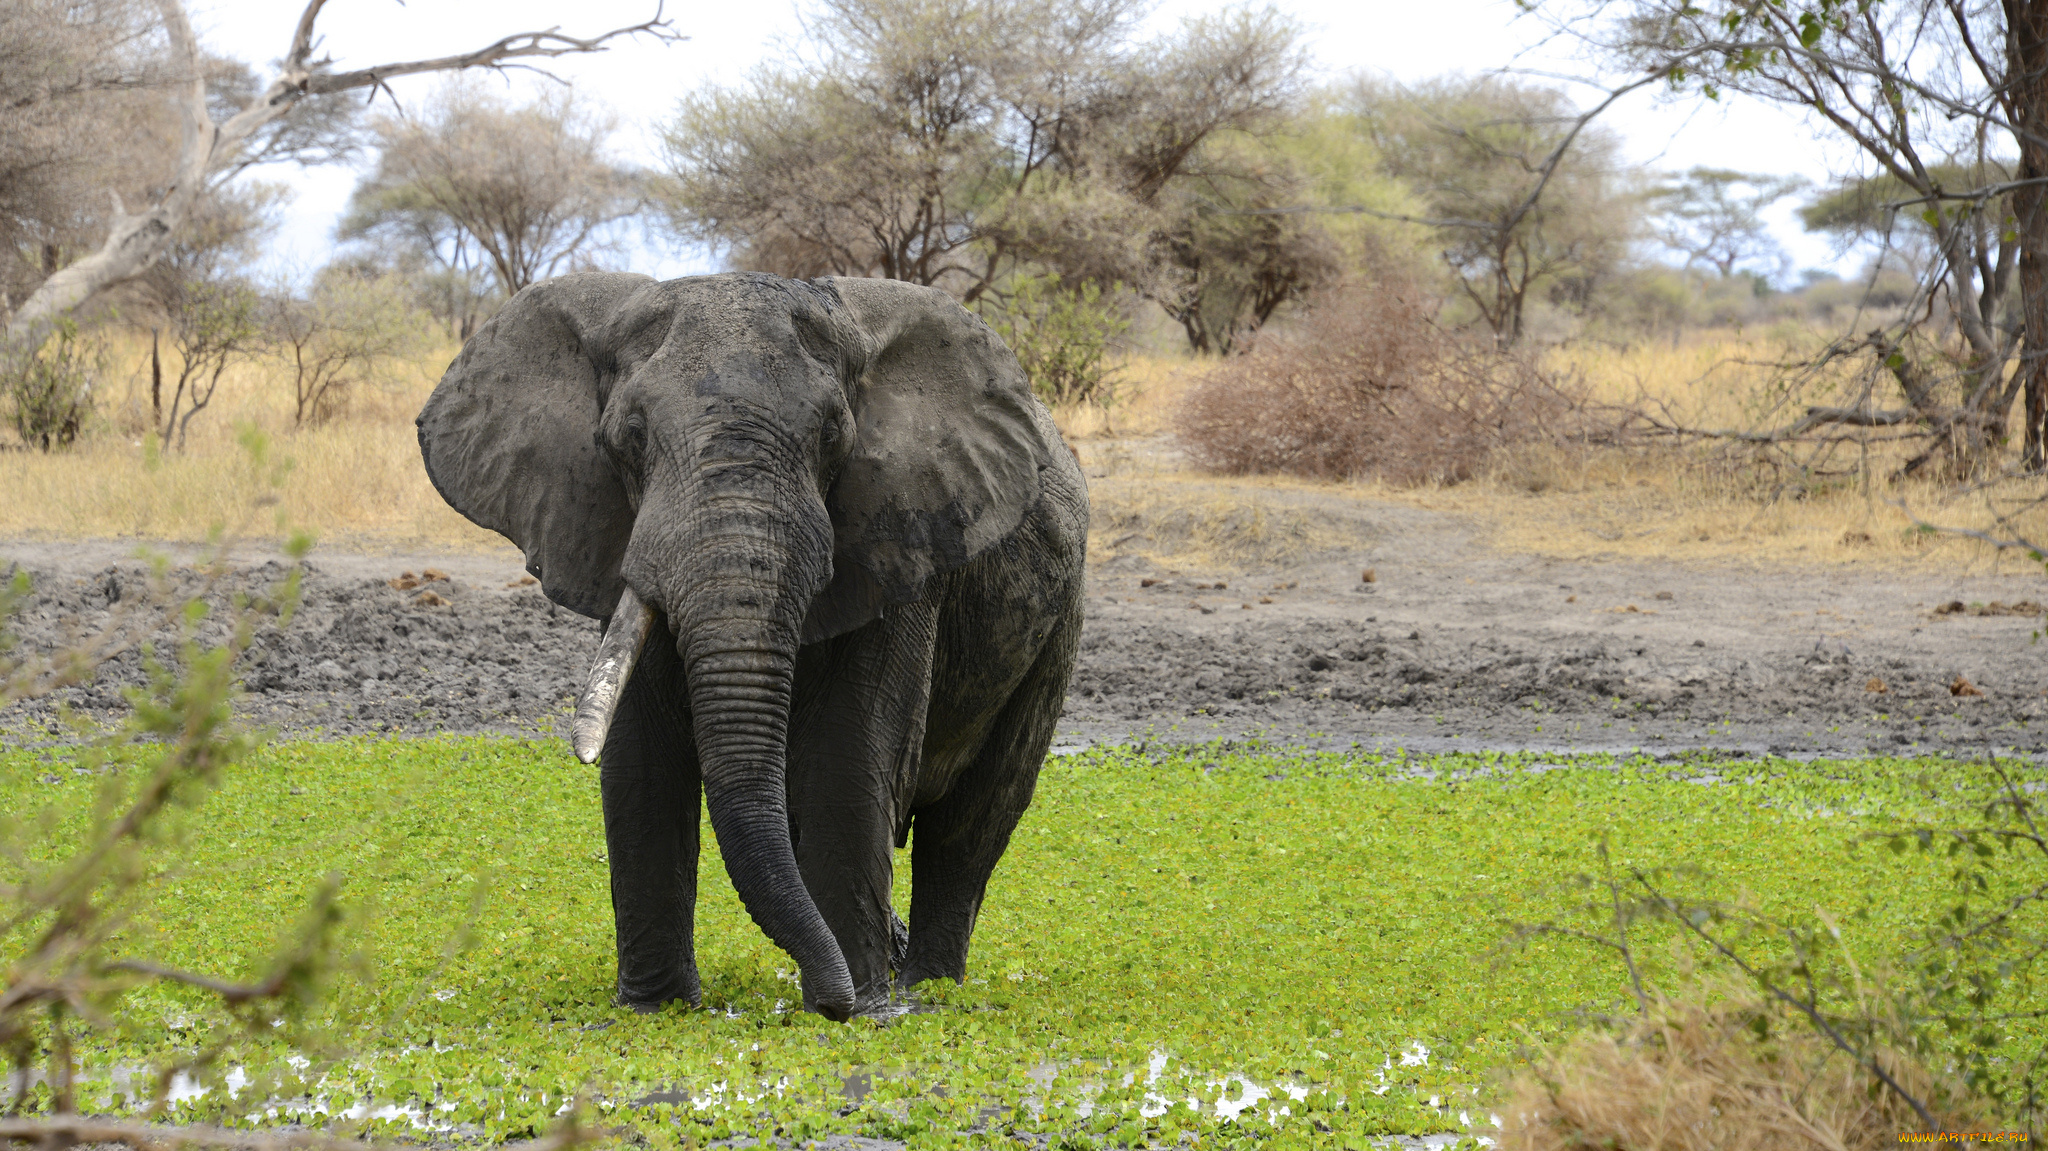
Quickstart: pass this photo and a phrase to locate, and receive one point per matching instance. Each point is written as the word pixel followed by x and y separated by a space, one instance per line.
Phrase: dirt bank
pixel 1453 645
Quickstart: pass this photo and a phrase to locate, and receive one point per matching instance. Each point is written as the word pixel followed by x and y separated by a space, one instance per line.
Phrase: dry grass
pixel 1149 391
pixel 1727 501
pixel 1654 502
pixel 1708 379
pixel 1695 1076
pixel 1226 525
pixel 357 481
pixel 1614 506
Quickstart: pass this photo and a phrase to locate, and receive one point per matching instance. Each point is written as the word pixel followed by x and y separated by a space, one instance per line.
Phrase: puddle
pixel 1424 746
pixel 1227 1097
pixel 719 1094
pixel 132 1085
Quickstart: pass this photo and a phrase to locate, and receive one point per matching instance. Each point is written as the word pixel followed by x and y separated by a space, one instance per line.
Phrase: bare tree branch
pixel 1974 195
pixel 1544 172
pixel 232 993
pixel 526 44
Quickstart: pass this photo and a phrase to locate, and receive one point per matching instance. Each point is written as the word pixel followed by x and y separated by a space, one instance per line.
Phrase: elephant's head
pixel 759 462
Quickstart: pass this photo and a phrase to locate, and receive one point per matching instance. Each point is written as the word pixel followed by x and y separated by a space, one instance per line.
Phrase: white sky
pixel 1401 39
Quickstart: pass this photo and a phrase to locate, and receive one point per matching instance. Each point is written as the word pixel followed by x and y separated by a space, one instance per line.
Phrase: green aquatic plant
pixel 110 1016
pixel 1307 939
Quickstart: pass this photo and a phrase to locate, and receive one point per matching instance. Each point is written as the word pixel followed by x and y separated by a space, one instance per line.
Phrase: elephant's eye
pixel 834 433
pixel 636 438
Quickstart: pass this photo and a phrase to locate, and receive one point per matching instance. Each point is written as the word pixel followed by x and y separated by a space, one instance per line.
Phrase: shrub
pixel 349 331
pixel 49 391
pixel 1790 1039
pixel 76 902
pixel 1714 1071
pixel 1062 335
pixel 1366 385
pixel 214 324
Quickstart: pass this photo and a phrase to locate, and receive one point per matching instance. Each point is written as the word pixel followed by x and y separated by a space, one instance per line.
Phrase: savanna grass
pixel 358 480
pixel 1168 930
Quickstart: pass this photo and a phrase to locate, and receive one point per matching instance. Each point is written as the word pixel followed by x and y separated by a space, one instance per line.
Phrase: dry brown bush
pixel 1696 1075
pixel 1367 386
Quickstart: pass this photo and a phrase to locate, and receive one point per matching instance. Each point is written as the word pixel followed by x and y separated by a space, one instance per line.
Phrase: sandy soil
pixel 1453 645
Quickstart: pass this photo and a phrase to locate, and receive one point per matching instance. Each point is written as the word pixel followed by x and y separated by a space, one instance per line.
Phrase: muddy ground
pixel 1451 646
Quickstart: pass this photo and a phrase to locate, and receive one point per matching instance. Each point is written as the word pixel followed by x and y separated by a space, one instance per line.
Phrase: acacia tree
pixel 1230 262
pixel 1714 216
pixel 97 70
pixel 216 143
pixel 346 332
pixel 1519 186
pixel 527 190
pixel 198 294
pixel 397 231
pixel 957 142
pixel 1926 90
pixel 214 324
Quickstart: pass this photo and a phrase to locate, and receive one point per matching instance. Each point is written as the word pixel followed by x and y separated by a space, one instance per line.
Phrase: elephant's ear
pixel 510 438
pixel 948 443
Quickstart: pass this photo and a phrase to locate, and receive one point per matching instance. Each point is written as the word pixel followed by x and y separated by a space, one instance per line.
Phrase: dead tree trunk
pixel 2026 96
pixel 156 382
pixel 207 149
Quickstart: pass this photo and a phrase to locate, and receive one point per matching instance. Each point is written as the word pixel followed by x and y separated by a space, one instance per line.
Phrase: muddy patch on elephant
pixel 1448 645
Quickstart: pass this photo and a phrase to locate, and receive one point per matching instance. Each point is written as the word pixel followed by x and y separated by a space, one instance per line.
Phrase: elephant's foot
pixel 933 957
pixel 909 979
pixel 648 996
pixel 653 1007
pixel 873 1001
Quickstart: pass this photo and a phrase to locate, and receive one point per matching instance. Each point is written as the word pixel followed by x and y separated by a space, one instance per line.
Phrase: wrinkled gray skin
pixel 865 540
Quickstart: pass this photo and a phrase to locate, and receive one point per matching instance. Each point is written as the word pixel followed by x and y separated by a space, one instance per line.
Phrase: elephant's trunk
pixel 737 599
pixel 740 700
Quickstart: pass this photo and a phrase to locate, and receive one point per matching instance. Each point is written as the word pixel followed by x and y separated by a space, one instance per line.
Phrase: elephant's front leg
pixel 957 839
pixel 856 731
pixel 650 783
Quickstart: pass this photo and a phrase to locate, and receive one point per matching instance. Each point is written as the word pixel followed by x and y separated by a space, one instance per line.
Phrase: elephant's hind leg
pixel 956 841
pixel 650 784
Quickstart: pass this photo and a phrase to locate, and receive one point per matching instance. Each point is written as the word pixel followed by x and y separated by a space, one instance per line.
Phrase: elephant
pixel 865 541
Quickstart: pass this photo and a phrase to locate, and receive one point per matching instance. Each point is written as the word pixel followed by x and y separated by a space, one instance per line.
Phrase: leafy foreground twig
pixel 64 924
pixel 1978 955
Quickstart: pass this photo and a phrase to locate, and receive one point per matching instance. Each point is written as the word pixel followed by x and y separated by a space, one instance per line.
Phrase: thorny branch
pixel 1807 1006
pixel 1621 910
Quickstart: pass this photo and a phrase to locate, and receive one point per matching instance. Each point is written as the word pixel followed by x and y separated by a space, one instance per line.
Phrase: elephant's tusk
pixel 616 655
